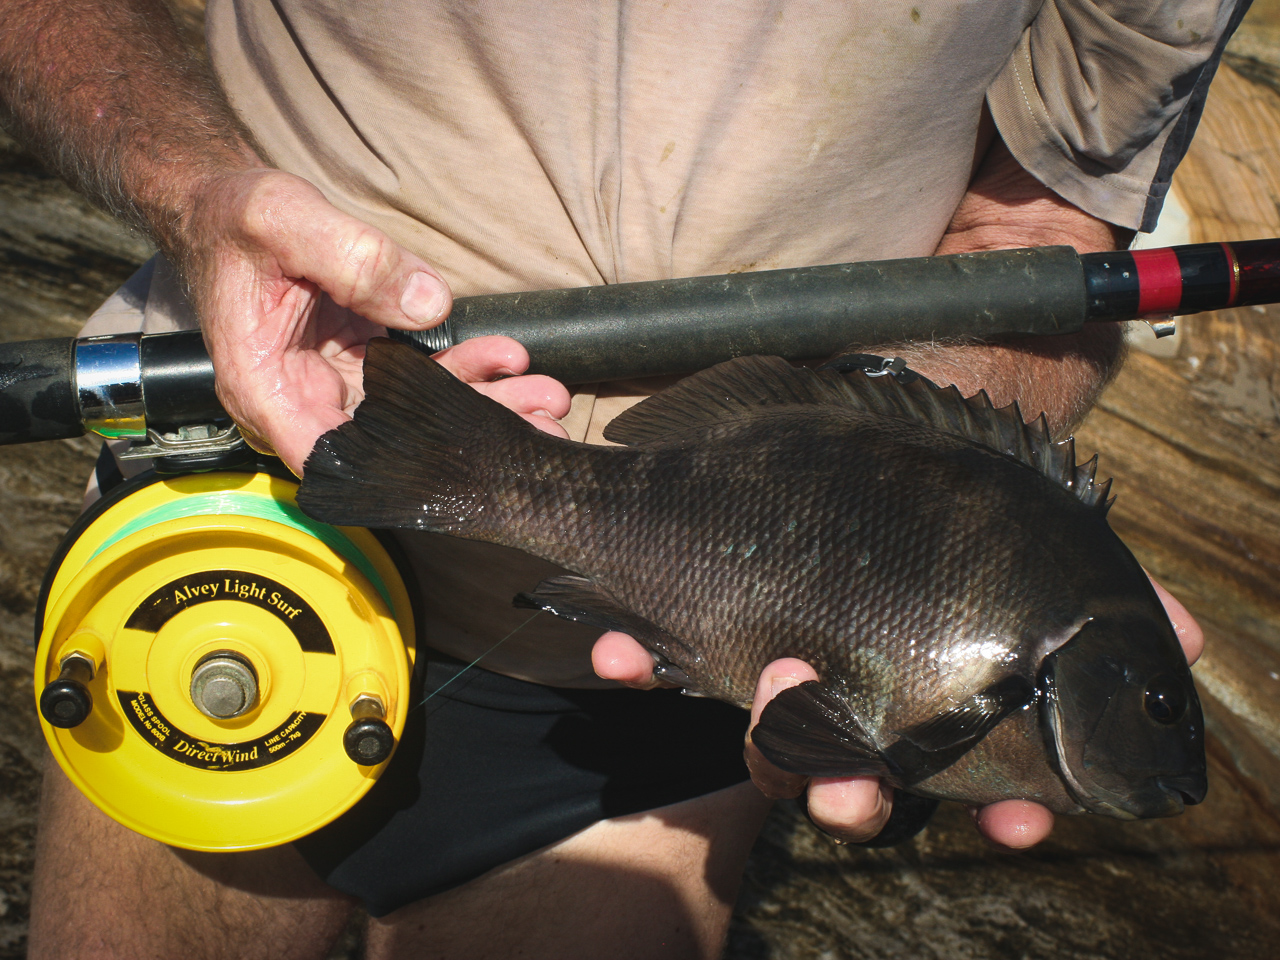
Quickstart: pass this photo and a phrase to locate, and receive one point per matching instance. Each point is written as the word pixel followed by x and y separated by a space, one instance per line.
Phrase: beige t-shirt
pixel 527 145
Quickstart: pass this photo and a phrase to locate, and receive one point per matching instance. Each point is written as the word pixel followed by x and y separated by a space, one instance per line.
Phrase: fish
pixel 979 631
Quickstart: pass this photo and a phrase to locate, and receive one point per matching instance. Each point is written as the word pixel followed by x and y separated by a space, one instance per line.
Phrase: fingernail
pixel 778 684
pixel 423 299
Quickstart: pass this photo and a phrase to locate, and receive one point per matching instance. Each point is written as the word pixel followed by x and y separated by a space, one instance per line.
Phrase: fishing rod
pixel 158 390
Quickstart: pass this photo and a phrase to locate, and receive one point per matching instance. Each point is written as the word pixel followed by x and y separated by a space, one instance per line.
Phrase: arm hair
pixel 108 95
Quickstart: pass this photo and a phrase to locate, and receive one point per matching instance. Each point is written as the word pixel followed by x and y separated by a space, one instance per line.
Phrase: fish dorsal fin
pixel 724 393
pixel 746 386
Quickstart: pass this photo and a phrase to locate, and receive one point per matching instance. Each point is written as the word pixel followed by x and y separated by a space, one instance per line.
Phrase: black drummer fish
pixel 979 630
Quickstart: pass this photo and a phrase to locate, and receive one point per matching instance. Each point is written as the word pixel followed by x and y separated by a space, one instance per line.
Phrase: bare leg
pixel 661 883
pixel 102 890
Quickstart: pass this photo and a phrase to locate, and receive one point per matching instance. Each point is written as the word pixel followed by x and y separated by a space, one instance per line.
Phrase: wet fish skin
pixel 928 578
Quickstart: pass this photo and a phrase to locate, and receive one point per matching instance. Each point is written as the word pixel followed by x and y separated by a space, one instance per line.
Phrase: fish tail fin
pixel 413 454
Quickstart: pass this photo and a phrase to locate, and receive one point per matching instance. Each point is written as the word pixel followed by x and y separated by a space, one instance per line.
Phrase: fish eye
pixel 1165 700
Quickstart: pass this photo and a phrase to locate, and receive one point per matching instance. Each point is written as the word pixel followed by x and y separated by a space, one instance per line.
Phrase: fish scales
pixel 935 583
pixel 702 541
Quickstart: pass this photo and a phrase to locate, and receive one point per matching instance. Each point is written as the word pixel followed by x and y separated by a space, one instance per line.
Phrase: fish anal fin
pixel 579 599
pixel 808 729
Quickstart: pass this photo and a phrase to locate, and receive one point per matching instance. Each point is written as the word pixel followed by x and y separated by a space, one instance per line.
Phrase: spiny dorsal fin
pixel 743 387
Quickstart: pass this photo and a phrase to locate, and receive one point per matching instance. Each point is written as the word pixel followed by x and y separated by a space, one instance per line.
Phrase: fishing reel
pixel 215 670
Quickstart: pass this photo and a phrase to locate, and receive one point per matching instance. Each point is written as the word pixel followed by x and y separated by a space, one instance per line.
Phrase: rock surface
pixel 1194 444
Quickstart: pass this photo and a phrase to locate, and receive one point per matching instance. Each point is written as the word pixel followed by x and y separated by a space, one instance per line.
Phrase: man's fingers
pixel 775 678
pixel 619 657
pixel 535 394
pixel 853 808
pixel 424 297
pixel 1017 824
pixel 1184 625
pixel 484 358
pixel 285 400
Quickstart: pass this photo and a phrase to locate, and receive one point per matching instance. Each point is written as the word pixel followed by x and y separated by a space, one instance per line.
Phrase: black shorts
pixel 493 768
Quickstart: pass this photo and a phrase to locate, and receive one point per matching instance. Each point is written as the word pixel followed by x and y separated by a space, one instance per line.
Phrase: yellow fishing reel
pixel 217 671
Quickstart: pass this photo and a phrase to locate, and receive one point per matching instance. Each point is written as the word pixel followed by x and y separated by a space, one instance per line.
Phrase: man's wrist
pixel 1006 207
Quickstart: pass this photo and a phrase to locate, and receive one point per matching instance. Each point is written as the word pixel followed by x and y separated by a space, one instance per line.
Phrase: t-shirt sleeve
pixel 1100 99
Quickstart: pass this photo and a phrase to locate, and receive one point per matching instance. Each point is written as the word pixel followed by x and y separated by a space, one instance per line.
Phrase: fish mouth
pixel 1190 788
pixel 1164 796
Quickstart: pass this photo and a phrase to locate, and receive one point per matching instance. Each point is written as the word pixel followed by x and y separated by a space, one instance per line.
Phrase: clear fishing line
pixel 476 660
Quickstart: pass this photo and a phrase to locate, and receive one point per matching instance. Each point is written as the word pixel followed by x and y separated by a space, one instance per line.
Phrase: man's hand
pixel 289 290
pixel 856 808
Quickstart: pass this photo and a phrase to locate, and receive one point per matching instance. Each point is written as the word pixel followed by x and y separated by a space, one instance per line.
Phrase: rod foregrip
pixel 37 391
pixel 177 378
pixel 628 330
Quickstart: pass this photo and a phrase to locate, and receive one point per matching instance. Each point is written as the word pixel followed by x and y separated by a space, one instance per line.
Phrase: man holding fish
pixel 353 166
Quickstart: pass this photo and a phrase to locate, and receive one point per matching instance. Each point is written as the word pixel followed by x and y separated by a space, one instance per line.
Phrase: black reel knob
pixel 368 741
pixel 66 702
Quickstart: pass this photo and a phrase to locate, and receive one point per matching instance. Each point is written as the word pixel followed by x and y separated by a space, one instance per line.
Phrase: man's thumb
pixel 425 298
pixel 356 264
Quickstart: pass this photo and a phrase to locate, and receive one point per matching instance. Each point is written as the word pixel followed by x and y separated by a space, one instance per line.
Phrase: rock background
pixel 1194 443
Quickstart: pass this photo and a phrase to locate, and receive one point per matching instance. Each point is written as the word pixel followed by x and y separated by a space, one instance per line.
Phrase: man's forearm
pixel 107 94
pixel 1006 207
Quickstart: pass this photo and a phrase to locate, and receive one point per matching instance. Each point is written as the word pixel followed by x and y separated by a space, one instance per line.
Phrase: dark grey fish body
pixel 763 512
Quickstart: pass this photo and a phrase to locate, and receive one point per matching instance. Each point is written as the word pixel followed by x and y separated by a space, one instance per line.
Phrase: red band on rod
pixel 1159 281
pixel 1233 271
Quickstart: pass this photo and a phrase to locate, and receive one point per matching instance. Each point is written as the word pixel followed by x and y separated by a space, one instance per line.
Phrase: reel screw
pixel 368 740
pixel 66 702
pixel 224 685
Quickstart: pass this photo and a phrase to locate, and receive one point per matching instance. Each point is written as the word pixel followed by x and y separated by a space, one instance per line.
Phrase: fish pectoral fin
pixel 969 722
pixel 810 730
pixel 582 601
pixel 929 747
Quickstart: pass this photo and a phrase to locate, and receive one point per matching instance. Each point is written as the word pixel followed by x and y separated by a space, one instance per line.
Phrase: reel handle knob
pixel 66 702
pixel 368 740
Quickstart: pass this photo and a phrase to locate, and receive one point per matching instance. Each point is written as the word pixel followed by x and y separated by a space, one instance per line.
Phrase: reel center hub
pixel 224 685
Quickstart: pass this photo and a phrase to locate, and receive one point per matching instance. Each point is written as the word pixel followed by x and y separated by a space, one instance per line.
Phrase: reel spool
pixel 217 671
